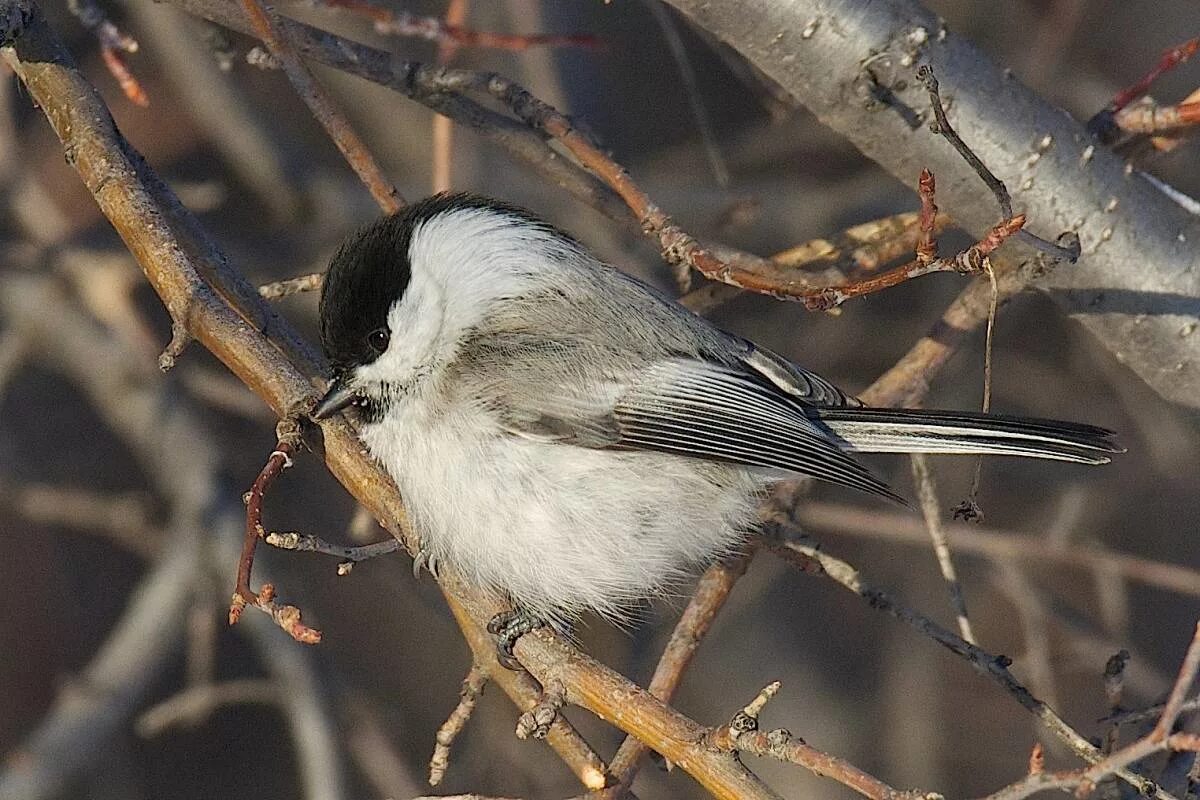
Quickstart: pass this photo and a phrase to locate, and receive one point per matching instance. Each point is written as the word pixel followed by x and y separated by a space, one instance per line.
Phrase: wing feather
pixel 709 411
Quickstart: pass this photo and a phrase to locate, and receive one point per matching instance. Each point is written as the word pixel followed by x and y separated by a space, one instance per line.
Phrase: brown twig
pixel 1105 124
pixel 1084 781
pixel 1156 119
pixel 285 616
pixel 742 735
pixel 709 596
pixel 926 247
pixel 444 91
pixel 451 31
pixel 679 247
pixel 992 666
pixel 942 127
pixel 526 693
pixel 113 42
pixel 994 543
pixel 472 688
pixel 1183 683
pixel 323 108
pixel 442 137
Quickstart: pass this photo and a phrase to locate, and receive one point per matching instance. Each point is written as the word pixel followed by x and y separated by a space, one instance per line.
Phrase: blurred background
pixel 120 487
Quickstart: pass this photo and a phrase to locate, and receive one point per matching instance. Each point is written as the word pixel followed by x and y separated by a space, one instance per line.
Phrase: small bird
pixel 571 440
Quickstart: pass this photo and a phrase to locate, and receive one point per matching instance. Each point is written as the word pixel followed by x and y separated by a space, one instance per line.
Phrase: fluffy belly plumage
pixel 554 527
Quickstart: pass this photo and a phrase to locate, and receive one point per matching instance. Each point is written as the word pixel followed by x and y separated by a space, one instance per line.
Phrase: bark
pixel 853 64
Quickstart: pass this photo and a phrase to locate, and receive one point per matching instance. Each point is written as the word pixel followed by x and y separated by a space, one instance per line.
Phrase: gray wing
pixel 709 411
pixel 732 413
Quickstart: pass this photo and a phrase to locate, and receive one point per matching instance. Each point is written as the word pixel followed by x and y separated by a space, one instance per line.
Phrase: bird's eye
pixel 378 339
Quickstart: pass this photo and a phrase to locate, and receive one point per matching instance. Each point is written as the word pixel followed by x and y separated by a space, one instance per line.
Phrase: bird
pixel 569 439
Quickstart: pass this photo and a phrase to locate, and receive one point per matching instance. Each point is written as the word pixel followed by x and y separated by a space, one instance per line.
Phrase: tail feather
pixel 886 430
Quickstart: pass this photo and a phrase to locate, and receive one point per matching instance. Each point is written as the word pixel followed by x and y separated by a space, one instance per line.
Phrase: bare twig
pixel 1183 683
pixel 991 666
pixel 442 138
pixel 712 148
pixel 323 107
pixel 286 288
pixel 472 688
pixel 1156 119
pixel 123 519
pixel 994 544
pixel 943 127
pixel 194 705
pixel 307 543
pixel 113 42
pixel 709 596
pixel 285 616
pixel 453 32
pixel 742 735
pixel 1157 740
pixel 1104 124
pixel 931 511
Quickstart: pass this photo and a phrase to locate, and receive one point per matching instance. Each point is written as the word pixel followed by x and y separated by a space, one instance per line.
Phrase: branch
pixel 995 543
pixel 447 32
pixel 850 72
pixel 266 27
pixel 444 90
pixel 994 667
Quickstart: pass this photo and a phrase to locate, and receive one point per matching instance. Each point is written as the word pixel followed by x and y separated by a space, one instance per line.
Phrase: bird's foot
pixel 427 560
pixel 507 627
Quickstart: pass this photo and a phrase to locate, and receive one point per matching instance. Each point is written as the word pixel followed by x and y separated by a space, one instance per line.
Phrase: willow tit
pixel 570 439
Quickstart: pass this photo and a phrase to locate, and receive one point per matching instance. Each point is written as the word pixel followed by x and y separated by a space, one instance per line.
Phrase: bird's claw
pixel 428 561
pixel 508 627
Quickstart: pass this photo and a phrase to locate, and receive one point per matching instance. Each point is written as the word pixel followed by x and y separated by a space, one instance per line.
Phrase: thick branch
pixel 853 64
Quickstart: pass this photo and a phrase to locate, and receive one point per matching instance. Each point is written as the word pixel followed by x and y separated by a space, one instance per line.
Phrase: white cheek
pixel 417 337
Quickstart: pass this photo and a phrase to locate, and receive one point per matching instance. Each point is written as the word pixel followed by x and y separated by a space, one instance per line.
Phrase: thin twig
pixel 113 42
pixel 472 688
pixel 307 543
pixel 442 138
pixel 742 735
pixel 994 544
pixel 709 596
pixel 285 288
pixel 931 511
pixel 1183 684
pixel 453 32
pixel 969 508
pixel 1103 125
pixel 323 108
pixel 1156 119
pixel 943 127
pixel 992 666
pixel 285 616
pixel 193 705
pixel 667 23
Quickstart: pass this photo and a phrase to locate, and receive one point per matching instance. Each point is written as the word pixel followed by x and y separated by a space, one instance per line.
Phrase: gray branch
pixel 853 64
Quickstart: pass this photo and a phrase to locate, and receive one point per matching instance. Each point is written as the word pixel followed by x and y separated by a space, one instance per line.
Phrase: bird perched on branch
pixel 571 440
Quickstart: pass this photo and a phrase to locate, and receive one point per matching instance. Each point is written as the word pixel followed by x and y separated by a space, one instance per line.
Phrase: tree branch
pixel 855 71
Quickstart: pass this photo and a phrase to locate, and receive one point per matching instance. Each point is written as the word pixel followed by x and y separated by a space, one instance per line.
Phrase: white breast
pixel 553 527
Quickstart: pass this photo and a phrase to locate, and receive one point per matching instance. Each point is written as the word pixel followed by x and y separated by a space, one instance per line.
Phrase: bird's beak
pixel 340 395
